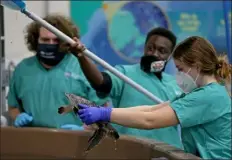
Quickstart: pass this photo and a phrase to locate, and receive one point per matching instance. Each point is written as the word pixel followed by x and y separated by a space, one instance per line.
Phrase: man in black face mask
pixel 48 53
pixel 39 83
pixel 157 51
pixel 149 74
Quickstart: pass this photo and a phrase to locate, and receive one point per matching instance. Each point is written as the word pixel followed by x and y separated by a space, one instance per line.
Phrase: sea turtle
pixel 103 128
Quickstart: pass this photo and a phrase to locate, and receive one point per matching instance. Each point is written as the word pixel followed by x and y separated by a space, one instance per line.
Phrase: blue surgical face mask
pixel 49 54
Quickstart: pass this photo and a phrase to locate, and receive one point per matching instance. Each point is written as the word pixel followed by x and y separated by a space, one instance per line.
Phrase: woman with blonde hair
pixel 203 111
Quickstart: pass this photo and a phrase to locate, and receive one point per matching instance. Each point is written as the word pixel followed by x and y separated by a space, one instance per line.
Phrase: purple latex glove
pixel 90 115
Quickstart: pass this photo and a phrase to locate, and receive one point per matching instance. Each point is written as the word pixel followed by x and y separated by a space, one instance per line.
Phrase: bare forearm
pixel 131 118
pixel 158 106
pixel 163 116
pixel 91 71
pixel 144 108
pixel 13 112
pixel 147 108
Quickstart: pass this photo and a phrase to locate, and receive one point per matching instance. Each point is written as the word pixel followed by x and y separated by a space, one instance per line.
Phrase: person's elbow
pixel 149 125
pixel 105 86
pixel 161 118
pixel 149 122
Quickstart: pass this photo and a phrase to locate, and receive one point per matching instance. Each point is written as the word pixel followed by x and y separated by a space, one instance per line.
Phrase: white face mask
pixel 157 66
pixel 185 81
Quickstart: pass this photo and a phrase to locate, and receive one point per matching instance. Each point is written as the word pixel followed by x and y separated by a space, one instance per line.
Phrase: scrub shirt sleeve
pixel 117 83
pixel 12 94
pixel 197 107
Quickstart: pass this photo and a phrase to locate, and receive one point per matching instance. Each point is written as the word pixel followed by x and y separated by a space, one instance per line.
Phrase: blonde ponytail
pixel 223 72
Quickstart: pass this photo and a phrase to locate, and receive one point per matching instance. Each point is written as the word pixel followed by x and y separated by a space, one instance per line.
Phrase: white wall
pixel 59 7
pixel 15 23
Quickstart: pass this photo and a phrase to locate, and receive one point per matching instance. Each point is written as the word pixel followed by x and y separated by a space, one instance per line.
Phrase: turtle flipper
pixel 93 136
pixel 98 137
pixel 112 132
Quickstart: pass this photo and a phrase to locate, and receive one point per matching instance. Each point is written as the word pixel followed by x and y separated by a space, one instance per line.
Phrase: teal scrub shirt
pixel 41 92
pixel 123 95
pixel 205 118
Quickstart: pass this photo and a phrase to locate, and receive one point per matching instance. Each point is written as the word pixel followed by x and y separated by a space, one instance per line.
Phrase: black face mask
pixel 147 63
pixel 49 54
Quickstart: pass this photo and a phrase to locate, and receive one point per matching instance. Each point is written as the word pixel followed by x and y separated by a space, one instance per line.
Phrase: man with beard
pixel 39 83
pixel 149 74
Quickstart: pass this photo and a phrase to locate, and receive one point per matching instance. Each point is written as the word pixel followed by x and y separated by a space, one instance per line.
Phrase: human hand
pixel 90 115
pixel 72 127
pixel 23 119
pixel 77 48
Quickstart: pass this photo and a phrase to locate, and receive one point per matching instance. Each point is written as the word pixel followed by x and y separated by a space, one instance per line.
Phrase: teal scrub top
pixel 205 117
pixel 41 92
pixel 123 95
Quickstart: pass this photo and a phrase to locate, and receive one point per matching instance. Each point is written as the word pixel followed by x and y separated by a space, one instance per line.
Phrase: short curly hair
pixel 162 32
pixel 61 22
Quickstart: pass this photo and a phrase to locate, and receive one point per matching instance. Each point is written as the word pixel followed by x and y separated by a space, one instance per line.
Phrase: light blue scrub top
pixel 205 118
pixel 123 95
pixel 41 92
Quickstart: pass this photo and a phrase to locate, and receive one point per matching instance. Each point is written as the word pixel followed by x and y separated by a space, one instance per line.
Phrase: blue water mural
pixel 116 30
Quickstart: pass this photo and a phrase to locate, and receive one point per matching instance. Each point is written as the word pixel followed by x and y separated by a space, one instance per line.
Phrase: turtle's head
pixel 71 98
pixel 67 95
pixel 74 100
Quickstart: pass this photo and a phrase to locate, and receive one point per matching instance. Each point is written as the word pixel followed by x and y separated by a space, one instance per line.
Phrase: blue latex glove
pixel 23 119
pixel 72 127
pixel 90 115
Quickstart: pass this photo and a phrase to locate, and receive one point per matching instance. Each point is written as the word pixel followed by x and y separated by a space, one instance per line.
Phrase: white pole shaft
pixel 65 38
